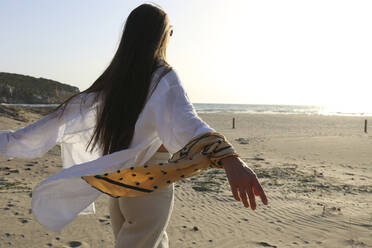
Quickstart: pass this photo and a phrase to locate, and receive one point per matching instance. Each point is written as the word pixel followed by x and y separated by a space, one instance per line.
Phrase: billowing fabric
pixel 71 131
pixel 203 151
pixel 168 118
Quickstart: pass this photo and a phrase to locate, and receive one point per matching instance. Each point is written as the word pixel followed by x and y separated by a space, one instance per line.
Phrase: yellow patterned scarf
pixel 205 150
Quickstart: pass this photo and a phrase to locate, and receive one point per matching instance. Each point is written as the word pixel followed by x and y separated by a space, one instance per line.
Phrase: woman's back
pixel 80 116
pixel 165 100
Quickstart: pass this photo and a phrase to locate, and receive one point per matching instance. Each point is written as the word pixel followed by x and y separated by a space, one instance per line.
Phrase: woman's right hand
pixel 243 181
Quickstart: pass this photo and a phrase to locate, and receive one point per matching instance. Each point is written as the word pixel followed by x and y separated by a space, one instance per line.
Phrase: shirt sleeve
pixel 175 117
pixel 33 140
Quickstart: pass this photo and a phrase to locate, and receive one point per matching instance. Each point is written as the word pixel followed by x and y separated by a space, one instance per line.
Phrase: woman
pixel 118 136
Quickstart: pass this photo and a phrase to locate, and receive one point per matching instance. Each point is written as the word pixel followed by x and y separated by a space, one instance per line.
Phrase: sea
pixel 253 109
pixel 276 109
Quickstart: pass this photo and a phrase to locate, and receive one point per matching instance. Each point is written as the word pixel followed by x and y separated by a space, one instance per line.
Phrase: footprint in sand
pixel 242 141
pixel 264 244
pixel 77 244
pixel 74 243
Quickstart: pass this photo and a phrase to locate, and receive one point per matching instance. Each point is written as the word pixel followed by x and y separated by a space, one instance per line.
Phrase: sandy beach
pixel 316 171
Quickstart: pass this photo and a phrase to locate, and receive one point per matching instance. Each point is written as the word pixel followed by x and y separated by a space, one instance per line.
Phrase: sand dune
pixel 316 170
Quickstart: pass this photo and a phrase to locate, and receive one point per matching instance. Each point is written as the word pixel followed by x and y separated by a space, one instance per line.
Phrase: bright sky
pixel 262 52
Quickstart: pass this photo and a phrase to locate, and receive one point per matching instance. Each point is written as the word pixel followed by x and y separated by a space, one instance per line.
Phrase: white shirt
pixel 168 118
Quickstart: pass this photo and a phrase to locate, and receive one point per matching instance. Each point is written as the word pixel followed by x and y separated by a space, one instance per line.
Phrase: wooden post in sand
pixel 365 126
pixel 233 122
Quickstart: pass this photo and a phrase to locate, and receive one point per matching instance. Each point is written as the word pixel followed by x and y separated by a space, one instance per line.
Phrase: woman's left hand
pixel 243 181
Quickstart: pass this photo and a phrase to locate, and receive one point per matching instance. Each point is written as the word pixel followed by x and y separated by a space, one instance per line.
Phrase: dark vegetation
pixel 21 89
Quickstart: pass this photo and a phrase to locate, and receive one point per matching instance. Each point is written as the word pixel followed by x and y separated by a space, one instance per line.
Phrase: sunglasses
pixel 171 30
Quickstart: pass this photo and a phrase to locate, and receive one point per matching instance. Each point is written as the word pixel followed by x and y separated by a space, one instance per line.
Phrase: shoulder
pixel 168 77
pixel 166 84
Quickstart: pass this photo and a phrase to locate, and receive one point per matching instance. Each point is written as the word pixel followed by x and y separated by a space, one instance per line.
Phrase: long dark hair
pixel 124 85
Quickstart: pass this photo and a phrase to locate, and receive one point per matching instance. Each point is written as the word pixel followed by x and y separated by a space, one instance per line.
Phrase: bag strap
pixel 165 70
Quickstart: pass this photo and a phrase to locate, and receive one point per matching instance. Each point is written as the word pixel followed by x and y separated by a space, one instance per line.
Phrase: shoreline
pixel 200 110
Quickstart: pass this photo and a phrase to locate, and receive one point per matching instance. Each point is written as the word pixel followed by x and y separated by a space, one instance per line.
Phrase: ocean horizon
pixel 215 108
pixel 275 109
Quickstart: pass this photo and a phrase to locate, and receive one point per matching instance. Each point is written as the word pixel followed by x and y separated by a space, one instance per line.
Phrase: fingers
pixel 234 190
pixel 247 194
pixel 255 192
pixel 261 193
pixel 243 196
pixel 251 196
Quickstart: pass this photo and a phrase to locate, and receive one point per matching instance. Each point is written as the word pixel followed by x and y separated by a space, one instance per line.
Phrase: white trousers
pixel 140 222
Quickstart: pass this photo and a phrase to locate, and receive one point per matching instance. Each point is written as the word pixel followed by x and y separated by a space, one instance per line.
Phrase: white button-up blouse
pixel 168 118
